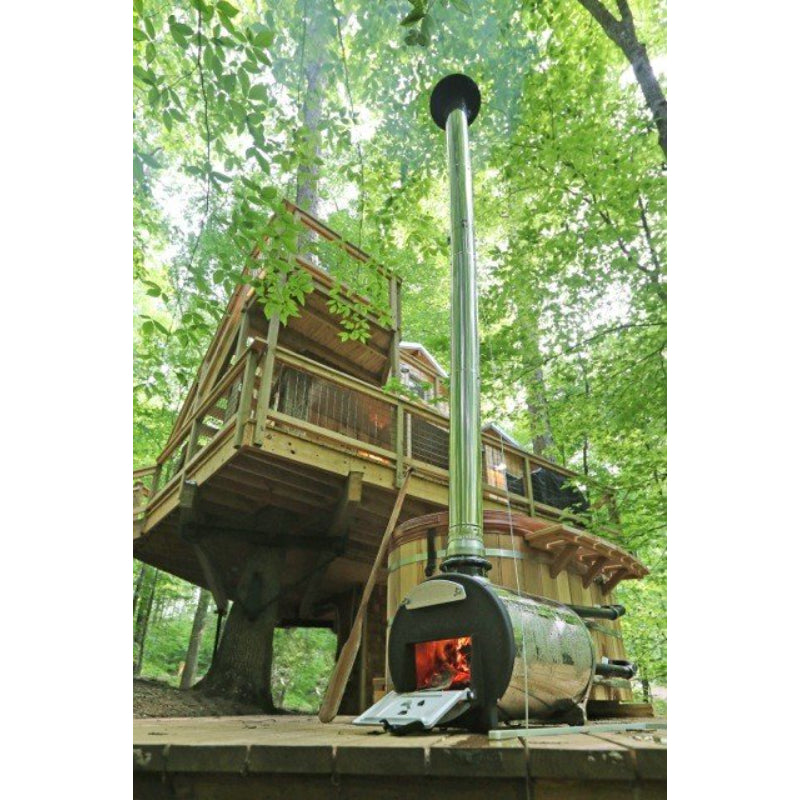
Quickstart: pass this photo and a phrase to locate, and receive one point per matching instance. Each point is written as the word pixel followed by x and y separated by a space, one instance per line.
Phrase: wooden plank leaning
pixel 344 666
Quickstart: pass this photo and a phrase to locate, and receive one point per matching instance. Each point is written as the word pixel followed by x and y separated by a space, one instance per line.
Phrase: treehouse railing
pixel 319 403
pixel 215 416
pixel 322 402
pixel 361 280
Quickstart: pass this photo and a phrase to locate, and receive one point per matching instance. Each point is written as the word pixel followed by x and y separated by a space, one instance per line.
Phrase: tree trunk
pixel 143 620
pixel 623 33
pixel 195 639
pixel 137 591
pixel 242 667
pixel 542 434
pixel 315 74
pixel 586 392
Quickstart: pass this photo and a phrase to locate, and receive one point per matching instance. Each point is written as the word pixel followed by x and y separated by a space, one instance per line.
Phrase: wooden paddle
pixel 344 666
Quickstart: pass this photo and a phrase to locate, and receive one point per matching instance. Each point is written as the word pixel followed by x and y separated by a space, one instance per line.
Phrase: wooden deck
pixel 290 757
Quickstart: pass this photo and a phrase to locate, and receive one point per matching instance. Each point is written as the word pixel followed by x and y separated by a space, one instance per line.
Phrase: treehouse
pixel 287 439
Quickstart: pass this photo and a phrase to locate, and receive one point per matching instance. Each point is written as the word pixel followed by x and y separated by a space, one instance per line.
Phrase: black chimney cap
pixel 455 91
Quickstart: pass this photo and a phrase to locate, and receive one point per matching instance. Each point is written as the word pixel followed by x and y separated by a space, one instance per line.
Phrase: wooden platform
pixel 291 757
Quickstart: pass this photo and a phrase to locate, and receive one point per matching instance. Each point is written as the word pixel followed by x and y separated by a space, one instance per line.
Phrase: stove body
pixel 465 653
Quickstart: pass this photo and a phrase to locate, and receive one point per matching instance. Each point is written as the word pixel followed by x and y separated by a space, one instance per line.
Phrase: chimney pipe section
pixel 455 102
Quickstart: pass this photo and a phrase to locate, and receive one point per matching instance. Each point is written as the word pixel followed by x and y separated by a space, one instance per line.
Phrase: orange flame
pixel 444 663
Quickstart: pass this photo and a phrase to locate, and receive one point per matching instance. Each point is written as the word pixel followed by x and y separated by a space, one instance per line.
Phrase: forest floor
pixel 153 698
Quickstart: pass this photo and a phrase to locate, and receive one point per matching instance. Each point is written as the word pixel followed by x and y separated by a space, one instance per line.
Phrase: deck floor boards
pixel 287 756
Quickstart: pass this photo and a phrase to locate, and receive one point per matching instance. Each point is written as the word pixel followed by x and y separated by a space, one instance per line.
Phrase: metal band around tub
pixel 490 553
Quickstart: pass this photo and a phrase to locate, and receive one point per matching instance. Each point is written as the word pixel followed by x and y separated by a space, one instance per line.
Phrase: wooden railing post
pixel 194 435
pixel 267 371
pixel 526 465
pixel 156 480
pixel 241 346
pixel 246 397
pixel 399 444
pixel 394 305
pixel 241 337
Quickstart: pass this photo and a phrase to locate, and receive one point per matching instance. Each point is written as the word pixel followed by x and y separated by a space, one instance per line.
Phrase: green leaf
pixel 139 35
pixel 229 25
pixel 415 16
pixel 144 75
pixel 264 39
pixel 228 83
pixel 258 92
pixel 226 9
pixel 180 28
pixel 149 160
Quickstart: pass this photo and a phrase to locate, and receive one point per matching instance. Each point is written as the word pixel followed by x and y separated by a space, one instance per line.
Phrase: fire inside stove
pixel 444 663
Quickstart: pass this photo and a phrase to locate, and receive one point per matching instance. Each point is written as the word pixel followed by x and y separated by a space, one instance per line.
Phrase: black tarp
pixel 515 483
pixel 554 490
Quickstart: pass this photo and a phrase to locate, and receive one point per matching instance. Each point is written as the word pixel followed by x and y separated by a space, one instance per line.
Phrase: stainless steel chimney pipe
pixel 455 102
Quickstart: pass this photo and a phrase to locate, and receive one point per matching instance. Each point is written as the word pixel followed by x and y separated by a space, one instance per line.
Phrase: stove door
pixel 416 709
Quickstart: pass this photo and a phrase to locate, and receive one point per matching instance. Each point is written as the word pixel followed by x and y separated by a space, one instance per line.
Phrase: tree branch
pixel 599 335
pixel 208 135
pixel 623 33
pixel 647 235
pixel 608 22
pixel 625 11
pixel 353 117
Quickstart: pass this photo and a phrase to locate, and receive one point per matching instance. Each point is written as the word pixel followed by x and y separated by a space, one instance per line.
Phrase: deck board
pixel 229 756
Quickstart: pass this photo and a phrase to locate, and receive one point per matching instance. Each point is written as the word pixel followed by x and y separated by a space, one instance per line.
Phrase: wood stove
pixel 463 652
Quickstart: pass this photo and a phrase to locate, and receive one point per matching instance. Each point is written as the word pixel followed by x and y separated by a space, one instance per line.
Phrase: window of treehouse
pixel 504 470
pixel 417 383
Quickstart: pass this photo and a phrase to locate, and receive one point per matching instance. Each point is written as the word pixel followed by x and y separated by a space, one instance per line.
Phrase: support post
pixel 267 371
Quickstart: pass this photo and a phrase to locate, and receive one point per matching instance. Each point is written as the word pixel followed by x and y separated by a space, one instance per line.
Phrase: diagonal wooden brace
pixel 349 501
pixel 188 517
